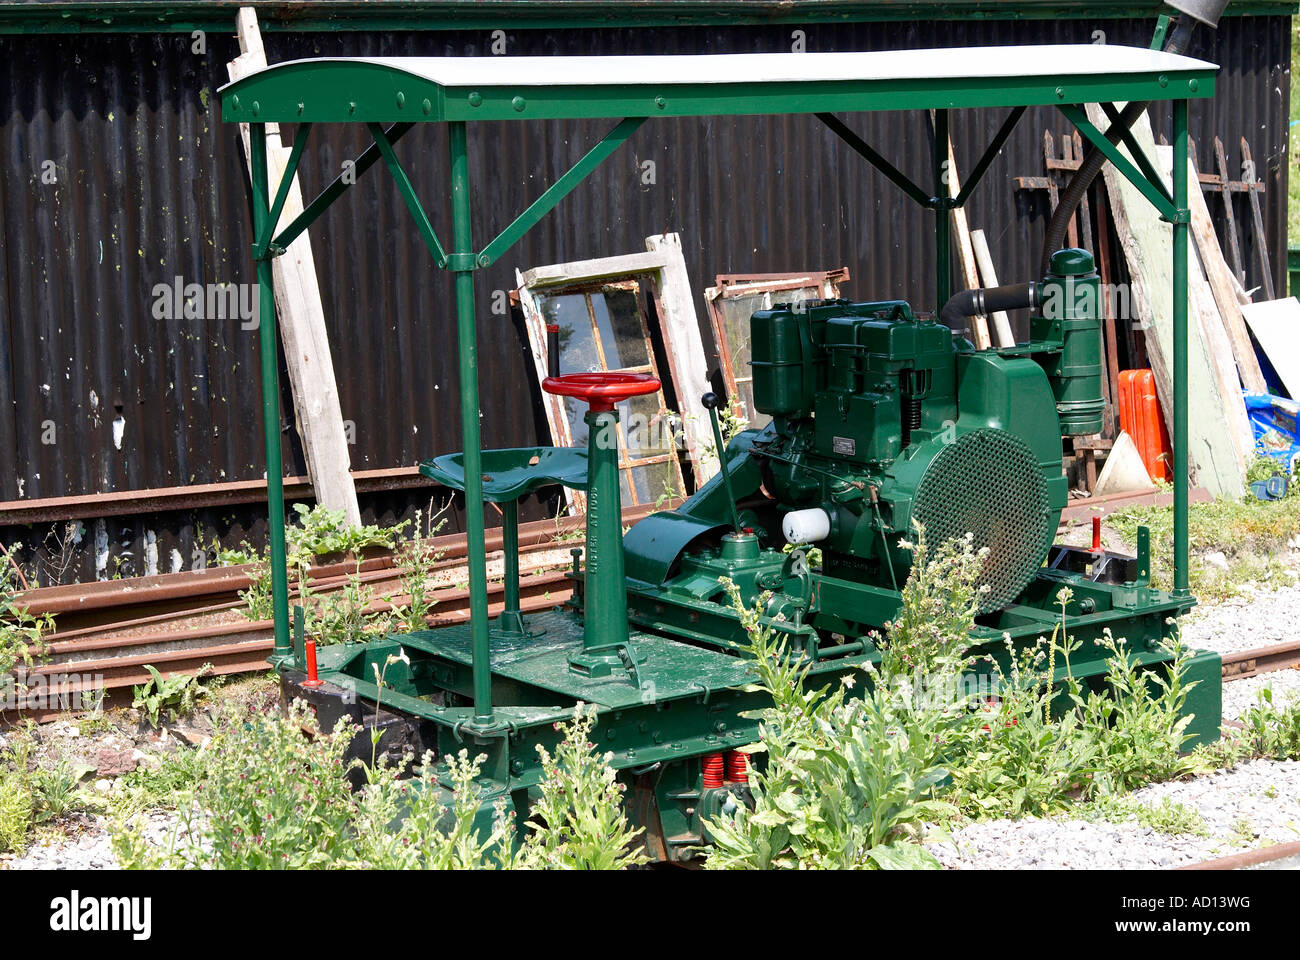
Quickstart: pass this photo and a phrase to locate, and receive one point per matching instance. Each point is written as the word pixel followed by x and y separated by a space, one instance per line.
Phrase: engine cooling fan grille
pixel 987 483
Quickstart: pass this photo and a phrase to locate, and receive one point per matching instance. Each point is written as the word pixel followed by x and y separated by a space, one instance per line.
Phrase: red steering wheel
pixel 601 390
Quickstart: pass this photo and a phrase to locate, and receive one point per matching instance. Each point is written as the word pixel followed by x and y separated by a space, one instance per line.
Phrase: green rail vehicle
pixel 883 419
pixel 882 422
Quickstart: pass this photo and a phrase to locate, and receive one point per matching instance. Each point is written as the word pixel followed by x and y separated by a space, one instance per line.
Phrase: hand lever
pixel 711 403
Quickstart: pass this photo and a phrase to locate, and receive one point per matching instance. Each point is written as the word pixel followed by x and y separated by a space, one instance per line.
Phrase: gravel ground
pixel 1263 794
pixel 1259 619
pixel 1240 694
pixel 87 846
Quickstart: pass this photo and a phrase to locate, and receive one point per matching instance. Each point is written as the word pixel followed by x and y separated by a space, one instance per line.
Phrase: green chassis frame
pixel 377 93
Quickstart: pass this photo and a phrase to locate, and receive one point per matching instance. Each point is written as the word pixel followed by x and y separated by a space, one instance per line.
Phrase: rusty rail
pixel 1250 663
pixel 1250 858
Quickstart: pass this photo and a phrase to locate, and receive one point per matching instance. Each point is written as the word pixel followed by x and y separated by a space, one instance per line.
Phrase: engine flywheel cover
pixel 988 484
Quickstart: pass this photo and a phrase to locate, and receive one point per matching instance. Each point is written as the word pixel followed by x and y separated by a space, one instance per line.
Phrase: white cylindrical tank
pixel 806 526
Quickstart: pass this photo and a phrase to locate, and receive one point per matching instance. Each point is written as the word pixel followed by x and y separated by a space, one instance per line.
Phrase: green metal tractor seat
pixel 511 474
pixel 507 476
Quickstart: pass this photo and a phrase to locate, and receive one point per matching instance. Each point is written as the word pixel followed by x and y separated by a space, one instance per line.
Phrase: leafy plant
pixel 16 813
pixel 848 783
pixel 321 532
pixel 161 785
pixel 343 616
pixel 16 793
pixel 272 792
pixel 273 795
pixel 432 836
pixel 1138 718
pixel 939 602
pixel 415 561
pixel 1266 468
pixel 578 821
pixel 56 789
pixel 21 631
pixel 1167 816
pixel 173 696
pixel 1025 763
pixel 1269 730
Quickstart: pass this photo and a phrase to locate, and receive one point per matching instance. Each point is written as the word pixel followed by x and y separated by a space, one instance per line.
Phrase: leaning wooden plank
pixel 1257 217
pixel 965 253
pixel 989 277
pixel 1220 276
pixel 1147 242
pixel 685 349
pixel 301 317
pixel 1274 323
pixel 1204 314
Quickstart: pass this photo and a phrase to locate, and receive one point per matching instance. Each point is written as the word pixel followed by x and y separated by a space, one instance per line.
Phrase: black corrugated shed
pixel 149 186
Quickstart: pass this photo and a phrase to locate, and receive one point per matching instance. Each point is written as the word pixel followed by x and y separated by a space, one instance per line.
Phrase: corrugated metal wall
pixel 149 186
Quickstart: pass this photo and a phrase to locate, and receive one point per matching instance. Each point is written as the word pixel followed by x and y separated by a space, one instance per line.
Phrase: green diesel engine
pixel 884 424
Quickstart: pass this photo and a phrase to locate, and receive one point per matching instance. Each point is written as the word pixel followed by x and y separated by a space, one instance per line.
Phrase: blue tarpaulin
pixel 1273 419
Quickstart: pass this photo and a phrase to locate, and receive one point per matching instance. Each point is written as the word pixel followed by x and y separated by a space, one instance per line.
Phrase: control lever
pixel 711 403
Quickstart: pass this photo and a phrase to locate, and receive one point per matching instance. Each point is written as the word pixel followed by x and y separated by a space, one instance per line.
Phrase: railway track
pixel 1251 663
pixel 108 631
pixel 1279 856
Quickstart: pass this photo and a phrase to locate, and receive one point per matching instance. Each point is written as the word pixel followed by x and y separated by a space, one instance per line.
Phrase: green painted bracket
pixel 326 197
pixel 1139 155
pixel 557 191
pixel 281 194
pixel 1153 190
pixel 408 192
pixel 865 150
pixel 1162 31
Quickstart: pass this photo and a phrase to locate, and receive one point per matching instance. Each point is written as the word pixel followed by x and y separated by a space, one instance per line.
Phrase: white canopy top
pixel 1057 60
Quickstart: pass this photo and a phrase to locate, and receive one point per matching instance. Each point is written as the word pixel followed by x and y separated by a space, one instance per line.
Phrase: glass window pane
pixel 647 427
pixel 655 480
pixel 577 343
pixel 622 326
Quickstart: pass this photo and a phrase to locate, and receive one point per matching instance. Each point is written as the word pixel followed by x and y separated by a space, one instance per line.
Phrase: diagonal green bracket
pixel 557 191
pixel 990 154
pixel 1151 188
pixel 282 194
pixel 340 183
pixel 1136 151
pixel 865 150
pixel 408 193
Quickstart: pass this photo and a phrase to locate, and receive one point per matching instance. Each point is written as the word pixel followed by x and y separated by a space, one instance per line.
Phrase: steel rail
pixel 1250 858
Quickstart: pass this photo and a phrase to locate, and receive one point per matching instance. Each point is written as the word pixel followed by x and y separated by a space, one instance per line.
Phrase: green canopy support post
pixel 1182 221
pixel 270 397
pixel 942 217
pixel 461 263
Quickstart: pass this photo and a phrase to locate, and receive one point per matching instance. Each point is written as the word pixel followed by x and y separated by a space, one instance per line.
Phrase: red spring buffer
pixel 737 767
pixel 713 770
